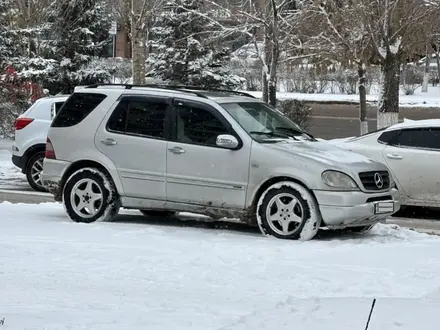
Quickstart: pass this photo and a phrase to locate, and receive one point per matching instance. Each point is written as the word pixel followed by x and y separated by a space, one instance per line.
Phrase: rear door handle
pixel 109 142
pixel 394 156
pixel 177 150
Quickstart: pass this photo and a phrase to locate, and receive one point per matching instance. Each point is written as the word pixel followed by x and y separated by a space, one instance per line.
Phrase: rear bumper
pixel 355 208
pixel 19 161
pixel 52 174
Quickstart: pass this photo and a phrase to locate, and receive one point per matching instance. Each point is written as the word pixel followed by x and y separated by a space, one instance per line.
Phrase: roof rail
pixel 182 88
pixel 208 89
pixel 130 86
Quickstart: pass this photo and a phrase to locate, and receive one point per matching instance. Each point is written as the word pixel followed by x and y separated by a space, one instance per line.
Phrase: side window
pixel 139 116
pixel 77 107
pixel 56 106
pixel 420 138
pixel 198 126
pixel 389 137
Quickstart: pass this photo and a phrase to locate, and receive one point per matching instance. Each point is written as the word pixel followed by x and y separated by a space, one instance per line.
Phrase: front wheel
pixel 287 210
pixel 90 195
pixel 34 169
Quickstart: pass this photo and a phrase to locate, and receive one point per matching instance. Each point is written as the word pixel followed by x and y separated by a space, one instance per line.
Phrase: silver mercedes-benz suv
pixel 167 149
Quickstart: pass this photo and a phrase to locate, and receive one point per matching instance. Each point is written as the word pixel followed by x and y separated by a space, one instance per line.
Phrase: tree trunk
pixel 265 84
pixel 272 91
pixel 138 44
pixel 437 57
pixel 426 74
pixel 388 107
pixel 362 98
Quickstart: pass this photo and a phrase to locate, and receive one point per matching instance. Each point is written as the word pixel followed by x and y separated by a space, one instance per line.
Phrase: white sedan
pixel 411 150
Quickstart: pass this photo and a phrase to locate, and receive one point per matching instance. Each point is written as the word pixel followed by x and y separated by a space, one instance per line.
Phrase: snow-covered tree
pixel 383 32
pixel 187 48
pixel 79 34
pixel 339 39
pixel 6 33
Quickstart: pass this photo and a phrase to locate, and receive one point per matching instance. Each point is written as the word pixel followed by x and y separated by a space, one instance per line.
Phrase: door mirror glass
pixel 227 141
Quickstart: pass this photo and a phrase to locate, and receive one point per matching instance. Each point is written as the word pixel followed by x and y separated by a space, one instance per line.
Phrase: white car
pixel 411 150
pixel 30 137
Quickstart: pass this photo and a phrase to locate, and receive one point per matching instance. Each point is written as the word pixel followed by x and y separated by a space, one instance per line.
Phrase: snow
pixel 135 273
pixel 419 99
pixel 9 173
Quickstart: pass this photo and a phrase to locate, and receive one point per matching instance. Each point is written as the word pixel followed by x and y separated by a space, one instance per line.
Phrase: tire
pixel 157 213
pixel 79 191
pixel 299 220
pixel 34 167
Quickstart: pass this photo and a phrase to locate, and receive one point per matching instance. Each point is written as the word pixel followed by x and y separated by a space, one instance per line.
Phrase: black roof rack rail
pixel 182 88
pixel 130 86
pixel 208 89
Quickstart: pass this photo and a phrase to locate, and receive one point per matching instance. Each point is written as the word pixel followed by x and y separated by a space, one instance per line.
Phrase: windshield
pixel 263 123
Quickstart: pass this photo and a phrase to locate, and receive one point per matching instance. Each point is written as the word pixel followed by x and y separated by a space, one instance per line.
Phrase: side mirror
pixel 227 141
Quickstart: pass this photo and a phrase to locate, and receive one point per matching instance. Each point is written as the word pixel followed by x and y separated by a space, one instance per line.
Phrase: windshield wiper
pixel 295 132
pixel 269 133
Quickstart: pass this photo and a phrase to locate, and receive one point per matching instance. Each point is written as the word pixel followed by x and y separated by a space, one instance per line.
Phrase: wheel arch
pixel 30 152
pixel 78 165
pixel 277 179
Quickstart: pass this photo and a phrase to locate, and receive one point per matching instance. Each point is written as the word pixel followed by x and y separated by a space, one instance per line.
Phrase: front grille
pixel 369 179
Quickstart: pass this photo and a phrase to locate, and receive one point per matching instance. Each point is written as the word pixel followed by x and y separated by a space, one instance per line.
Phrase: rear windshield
pixel 77 107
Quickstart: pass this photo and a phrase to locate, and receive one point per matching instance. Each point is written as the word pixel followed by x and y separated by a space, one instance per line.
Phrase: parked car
pixel 30 138
pixel 411 151
pixel 217 153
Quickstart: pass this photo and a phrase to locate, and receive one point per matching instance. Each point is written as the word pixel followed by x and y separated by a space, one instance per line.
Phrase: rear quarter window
pixel 388 137
pixel 77 107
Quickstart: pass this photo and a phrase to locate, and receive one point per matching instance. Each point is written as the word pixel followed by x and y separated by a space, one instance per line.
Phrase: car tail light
pixel 50 152
pixel 21 123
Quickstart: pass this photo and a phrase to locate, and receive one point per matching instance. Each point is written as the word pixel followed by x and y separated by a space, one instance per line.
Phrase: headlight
pixel 339 180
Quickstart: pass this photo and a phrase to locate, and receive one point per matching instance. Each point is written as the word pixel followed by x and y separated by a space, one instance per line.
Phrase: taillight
pixel 50 152
pixel 21 123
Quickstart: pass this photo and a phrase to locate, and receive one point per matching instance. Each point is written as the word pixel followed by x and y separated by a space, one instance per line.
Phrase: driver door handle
pixel 177 150
pixel 394 156
pixel 108 142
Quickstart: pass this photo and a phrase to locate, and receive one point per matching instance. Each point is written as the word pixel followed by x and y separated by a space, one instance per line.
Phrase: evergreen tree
pixel 80 33
pixel 187 49
pixel 6 34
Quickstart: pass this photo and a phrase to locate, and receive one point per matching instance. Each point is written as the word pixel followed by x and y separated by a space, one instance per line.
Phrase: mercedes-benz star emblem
pixel 378 180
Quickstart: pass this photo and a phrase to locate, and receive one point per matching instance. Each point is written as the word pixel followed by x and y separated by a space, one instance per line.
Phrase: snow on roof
pixel 416 123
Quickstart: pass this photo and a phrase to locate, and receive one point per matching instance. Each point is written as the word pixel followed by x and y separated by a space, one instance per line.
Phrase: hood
pixel 325 153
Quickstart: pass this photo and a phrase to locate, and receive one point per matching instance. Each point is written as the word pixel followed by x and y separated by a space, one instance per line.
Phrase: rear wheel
pixel 89 195
pixel 34 168
pixel 157 213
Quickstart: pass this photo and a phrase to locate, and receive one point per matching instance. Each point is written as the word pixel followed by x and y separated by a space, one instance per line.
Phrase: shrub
pixel 297 111
pixel 16 96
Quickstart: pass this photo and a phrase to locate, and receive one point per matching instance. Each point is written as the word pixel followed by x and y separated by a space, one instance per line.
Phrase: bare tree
pixel 339 39
pixel 265 22
pixel 137 16
pixel 365 32
pixel 398 28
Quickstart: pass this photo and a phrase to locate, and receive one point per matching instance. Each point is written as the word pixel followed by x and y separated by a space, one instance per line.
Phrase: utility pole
pixel 138 47
pixel 362 98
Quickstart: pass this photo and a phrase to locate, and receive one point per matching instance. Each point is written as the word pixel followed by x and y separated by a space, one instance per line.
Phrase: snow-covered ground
pixel 140 274
pixel 419 99
pixel 9 173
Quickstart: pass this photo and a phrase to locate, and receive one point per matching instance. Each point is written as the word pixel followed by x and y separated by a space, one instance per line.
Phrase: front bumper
pixel 354 208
